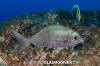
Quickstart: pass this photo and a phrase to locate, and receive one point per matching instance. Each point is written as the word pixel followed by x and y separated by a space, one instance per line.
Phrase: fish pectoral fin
pixel 59 49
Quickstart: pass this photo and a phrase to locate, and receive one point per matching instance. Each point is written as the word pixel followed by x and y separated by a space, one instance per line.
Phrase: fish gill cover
pixel 43 33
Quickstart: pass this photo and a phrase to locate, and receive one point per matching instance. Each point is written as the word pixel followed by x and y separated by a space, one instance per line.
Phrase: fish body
pixel 52 36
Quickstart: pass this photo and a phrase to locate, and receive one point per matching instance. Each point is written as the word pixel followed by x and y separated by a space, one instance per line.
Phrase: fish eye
pixel 75 37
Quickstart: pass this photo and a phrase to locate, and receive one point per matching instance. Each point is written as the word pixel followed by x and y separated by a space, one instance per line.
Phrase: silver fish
pixel 56 36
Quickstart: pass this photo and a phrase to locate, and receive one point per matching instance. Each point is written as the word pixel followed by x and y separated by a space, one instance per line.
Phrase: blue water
pixel 12 8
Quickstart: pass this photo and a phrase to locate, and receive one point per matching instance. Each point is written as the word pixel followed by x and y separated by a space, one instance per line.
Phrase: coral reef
pixel 87 53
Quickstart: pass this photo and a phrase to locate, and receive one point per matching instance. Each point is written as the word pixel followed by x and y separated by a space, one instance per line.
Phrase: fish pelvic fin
pixel 23 42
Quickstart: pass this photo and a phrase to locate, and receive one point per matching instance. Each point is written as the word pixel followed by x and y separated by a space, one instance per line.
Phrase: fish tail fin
pixel 23 42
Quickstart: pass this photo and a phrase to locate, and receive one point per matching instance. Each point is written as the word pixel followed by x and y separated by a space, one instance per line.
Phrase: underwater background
pixel 29 17
pixel 12 8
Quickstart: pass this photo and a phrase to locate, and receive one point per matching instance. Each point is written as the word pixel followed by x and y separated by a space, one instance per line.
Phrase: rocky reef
pixel 87 53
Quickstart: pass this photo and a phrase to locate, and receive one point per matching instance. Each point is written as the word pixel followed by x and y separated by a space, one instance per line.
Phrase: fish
pixel 56 36
pixel 78 14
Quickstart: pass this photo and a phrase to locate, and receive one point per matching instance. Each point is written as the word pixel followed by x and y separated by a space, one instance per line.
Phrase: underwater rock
pixel 30 24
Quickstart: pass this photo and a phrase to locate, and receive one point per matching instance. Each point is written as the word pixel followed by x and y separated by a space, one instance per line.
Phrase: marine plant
pixel 78 14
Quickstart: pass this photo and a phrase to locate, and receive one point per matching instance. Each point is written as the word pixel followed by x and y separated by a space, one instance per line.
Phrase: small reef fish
pixel 55 36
